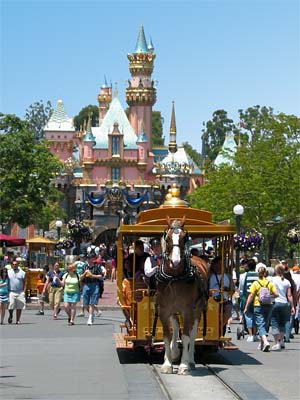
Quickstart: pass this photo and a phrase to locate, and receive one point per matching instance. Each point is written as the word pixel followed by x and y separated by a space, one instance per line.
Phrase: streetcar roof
pixel 197 222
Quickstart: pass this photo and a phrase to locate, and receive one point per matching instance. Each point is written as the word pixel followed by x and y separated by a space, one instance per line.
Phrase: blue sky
pixel 217 54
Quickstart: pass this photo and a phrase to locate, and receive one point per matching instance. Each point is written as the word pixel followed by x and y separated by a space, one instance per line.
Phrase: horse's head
pixel 174 240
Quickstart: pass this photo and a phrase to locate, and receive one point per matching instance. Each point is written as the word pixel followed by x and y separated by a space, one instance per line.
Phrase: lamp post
pixel 238 211
pixel 58 225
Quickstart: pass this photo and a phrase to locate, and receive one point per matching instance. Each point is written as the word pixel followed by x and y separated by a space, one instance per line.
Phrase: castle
pixel 117 165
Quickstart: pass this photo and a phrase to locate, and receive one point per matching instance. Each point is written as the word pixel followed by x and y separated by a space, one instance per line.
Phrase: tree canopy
pixel 213 135
pixel 81 119
pixel 264 178
pixel 26 169
pixel 37 115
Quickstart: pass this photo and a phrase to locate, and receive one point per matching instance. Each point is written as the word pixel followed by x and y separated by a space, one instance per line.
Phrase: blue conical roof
pixel 141 44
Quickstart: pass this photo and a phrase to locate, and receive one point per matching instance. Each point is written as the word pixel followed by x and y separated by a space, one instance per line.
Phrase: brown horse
pixel 181 289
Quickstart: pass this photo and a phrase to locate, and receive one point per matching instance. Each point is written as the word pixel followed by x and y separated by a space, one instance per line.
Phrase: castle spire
pixel 150 45
pixel 173 144
pixel 141 44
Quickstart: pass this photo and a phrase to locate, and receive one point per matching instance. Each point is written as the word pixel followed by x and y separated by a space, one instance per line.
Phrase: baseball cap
pixel 283 262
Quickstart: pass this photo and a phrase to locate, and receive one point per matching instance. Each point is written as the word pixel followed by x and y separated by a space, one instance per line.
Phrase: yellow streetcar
pixel 137 298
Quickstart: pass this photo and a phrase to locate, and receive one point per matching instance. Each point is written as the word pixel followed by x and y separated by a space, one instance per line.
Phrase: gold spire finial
pixel 173 144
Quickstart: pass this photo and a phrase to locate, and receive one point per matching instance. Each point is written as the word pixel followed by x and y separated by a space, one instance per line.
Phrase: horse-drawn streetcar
pixel 180 293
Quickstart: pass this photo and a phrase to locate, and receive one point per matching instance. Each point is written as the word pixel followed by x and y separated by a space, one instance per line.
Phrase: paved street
pixel 47 359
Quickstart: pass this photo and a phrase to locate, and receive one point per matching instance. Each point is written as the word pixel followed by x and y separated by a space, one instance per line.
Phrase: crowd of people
pixel 81 279
pixel 278 310
pixel 242 300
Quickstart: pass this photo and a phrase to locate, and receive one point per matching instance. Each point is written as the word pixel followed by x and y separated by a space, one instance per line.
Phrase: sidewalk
pixel 107 302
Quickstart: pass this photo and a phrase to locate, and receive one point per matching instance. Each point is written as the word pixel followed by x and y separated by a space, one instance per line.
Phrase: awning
pixel 11 241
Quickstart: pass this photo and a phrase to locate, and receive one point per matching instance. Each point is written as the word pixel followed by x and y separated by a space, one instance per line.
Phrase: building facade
pixel 112 169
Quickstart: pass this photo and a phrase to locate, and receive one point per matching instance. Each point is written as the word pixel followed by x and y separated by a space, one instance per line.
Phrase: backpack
pixel 264 296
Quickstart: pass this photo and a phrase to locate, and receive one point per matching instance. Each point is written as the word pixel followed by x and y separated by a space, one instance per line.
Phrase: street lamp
pixel 78 208
pixel 58 225
pixel 238 211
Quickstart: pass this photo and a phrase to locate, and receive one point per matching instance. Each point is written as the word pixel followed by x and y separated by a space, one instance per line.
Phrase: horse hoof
pixel 192 366
pixel 183 371
pixel 167 369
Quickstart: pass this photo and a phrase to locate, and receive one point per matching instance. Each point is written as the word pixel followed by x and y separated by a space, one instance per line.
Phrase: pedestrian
pixel 40 288
pixel 4 292
pixel 246 281
pixel 81 263
pixel 283 308
pixel 296 278
pixel 287 275
pixel 262 311
pixel 71 284
pixel 17 288
pixel 91 290
pixel 56 289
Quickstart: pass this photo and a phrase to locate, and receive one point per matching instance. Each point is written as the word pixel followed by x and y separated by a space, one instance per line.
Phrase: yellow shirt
pixel 255 289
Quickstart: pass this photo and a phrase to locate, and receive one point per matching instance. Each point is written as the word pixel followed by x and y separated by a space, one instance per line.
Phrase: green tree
pixel 195 156
pixel 213 135
pixel 82 117
pixel 26 170
pixel 37 115
pixel 157 129
pixel 264 178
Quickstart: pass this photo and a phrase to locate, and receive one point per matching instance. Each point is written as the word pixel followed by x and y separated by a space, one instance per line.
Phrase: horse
pixel 181 289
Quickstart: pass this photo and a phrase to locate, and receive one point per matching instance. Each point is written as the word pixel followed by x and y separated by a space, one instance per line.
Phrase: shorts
pixel 55 296
pixel 17 301
pixel 90 294
pixel 71 297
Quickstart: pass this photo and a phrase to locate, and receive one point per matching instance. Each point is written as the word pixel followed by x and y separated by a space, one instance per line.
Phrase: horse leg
pixel 175 353
pixel 167 367
pixel 193 336
pixel 184 365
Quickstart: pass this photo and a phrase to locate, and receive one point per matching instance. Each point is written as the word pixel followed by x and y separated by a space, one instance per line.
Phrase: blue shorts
pixel 71 297
pixel 90 294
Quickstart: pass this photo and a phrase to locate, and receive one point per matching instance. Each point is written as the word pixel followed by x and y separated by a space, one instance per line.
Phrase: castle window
pixel 115 145
pixel 115 174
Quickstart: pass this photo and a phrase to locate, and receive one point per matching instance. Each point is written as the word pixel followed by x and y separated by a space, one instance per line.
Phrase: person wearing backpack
pixel 261 293
pixel 71 284
pixel 283 308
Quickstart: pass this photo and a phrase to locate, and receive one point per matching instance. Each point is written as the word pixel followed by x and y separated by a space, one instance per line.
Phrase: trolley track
pixel 184 388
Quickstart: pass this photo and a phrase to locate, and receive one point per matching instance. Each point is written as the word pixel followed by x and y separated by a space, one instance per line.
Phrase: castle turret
pixel 141 93
pixel 104 100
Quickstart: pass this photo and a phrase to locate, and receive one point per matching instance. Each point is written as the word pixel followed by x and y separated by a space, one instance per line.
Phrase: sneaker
pixel 250 339
pixel 266 347
pixel 89 322
pixel 282 345
pixel 40 313
pixel 276 347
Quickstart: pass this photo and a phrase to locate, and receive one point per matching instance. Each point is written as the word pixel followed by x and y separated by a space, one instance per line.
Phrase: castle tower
pixel 104 100
pixel 141 94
